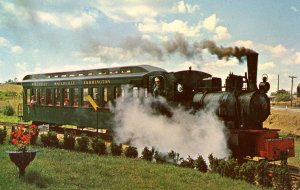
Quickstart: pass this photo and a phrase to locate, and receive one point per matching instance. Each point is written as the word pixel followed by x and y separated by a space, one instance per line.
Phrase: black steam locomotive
pixel 242 106
pixel 62 98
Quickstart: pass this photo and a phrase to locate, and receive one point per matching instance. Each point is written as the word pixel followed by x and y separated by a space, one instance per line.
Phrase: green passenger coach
pixel 60 98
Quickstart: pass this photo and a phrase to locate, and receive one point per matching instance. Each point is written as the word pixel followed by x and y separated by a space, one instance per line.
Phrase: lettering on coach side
pixel 64 83
pixel 96 82
pixel 39 84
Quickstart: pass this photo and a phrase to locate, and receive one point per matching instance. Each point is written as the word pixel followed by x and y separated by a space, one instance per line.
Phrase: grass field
pixel 62 169
pixel 10 94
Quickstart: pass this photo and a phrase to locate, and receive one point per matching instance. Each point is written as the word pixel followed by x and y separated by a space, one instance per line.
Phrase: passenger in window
pixel 66 102
pixel 33 100
pixel 42 100
pixel 157 89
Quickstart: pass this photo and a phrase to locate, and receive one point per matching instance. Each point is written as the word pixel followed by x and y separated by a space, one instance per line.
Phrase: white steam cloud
pixel 188 134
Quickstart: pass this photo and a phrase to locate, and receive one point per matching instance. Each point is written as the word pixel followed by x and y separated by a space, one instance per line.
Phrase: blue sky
pixel 60 35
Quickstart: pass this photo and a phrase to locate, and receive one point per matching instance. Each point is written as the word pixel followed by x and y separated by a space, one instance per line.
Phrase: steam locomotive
pixel 62 98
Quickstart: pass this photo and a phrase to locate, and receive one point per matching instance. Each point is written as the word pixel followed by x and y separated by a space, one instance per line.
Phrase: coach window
pixel 96 95
pixel 85 92
pixel 95 92
pixel 75 96
pixel 71 96
pixel 118 92
pixel 48 97
pixel 56 96
pixel 32 93
pixel 135 92
pixel 38 95
pixel 106 96
pixel 66 96
pixel 28 96
pixel 42 96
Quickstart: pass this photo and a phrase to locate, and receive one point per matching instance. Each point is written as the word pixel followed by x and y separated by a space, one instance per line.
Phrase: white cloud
pixel 22 66
pixel 266 66
pixel 81 20
pixel 293 8
pixel 278 50
pixel 67 21
pixel 4 42
pixel 182 7
pixel 222 63
pixel 128 11
pixel 13 49
pixel 176 26
pixel 210 22
pixel 48 18
pixel 296 58
pixel 1 62
pixel 36 51
pixel 16 49
pixel 91 59
pixel 149 26
pixel 105 54
pixel 185 65
pixel 221 33
pixel 18 11
pixel 247 44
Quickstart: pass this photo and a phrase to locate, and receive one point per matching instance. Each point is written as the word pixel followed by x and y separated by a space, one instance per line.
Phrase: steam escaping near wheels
pixel 200 133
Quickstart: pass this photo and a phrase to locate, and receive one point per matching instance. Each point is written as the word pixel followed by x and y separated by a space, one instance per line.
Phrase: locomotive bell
pixel 264 86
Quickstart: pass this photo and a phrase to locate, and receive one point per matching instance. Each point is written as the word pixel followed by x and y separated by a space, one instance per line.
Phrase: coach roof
pixel 105 73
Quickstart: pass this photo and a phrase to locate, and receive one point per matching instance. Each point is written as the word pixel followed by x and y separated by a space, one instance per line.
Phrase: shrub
pixel 173 157
pixel 131 152
pixel 3 134
pixel 200 164
pixel 262 174
pixel 35 133
pixel 231 168
pixel 8 110
pixel 187 163
pixel 98 146
pixel 148 154
pixel 281 178
pixel 116 150
pixel 83 142
pixel 50 139
pixel 159 157
pixel 247 171
pixel 214 163
pixel 69 141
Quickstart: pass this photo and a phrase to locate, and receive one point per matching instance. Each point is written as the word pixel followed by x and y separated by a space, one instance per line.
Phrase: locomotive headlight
pixel 179 87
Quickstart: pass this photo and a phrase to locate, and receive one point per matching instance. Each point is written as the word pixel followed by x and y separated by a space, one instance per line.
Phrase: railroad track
pixel 8 124
pixel 295 174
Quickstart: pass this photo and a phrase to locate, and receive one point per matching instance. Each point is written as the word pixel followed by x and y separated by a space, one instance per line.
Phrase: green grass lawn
pixel 295 161
pixel 62 169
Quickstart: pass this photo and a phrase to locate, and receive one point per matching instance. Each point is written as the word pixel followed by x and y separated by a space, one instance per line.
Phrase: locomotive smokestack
pixel 252 58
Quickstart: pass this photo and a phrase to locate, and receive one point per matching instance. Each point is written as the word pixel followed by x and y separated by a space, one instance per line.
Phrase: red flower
pixel 21 137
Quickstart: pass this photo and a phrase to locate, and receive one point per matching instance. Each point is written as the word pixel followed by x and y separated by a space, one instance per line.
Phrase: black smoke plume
pixel 225 52
pixel 180 45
